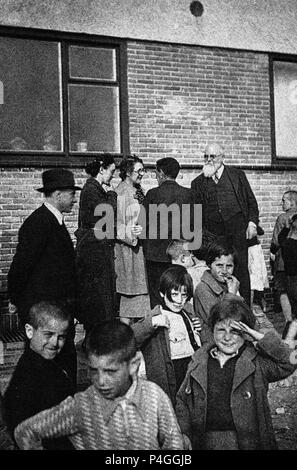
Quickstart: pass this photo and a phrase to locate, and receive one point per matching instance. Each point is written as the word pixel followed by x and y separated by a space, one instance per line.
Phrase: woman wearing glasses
pixel 131 282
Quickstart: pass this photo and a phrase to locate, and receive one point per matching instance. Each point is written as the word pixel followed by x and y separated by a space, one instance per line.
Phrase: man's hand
pixel 160 320
pixel 232 284
pixel 251 230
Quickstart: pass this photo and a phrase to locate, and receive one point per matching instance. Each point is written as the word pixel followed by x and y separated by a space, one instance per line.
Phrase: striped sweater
pixel 146 422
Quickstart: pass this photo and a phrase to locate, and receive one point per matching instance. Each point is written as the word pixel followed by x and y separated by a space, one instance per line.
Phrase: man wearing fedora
pixel 43 267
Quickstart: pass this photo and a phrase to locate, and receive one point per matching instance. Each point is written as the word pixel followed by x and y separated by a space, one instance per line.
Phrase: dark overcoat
pixel 43 267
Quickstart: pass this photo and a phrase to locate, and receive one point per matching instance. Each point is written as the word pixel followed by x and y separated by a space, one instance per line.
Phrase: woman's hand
pixel 136 230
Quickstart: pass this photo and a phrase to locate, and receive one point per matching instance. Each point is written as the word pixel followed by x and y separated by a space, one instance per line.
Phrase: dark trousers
pixel 233 233
pixel 292 294
pixel 154 271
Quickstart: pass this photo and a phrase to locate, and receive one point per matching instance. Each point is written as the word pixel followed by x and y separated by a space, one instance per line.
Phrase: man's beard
pixel 209 170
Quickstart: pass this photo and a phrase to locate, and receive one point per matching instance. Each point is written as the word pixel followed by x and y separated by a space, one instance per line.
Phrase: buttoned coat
pixel 43 267
pixel 242 190
pixel 254 370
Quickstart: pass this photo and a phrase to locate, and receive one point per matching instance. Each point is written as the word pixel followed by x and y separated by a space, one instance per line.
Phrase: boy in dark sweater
pixel 41 379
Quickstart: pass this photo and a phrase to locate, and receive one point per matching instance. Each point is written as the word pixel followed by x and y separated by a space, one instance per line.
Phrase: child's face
pixel 187 260
pixel 222 267
pixel 179 298
pixel 110 377
pixel 286 201
pixel 227 338
pixel 48 339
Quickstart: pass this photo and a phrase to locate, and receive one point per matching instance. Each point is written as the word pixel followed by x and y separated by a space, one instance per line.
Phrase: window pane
pixel 285 106
pixel 30 115
pixel 92 63
pixel 94 118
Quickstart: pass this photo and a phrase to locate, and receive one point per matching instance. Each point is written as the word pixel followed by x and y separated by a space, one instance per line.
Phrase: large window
pixel 61 100
pixel 285 109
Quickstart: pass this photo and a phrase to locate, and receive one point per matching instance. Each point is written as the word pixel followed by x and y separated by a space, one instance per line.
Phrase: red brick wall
pixel 179 98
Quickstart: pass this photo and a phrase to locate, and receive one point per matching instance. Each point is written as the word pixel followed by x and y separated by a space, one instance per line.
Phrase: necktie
pixel 216 179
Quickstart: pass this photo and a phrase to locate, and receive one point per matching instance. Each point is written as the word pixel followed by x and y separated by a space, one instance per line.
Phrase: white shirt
pixel 180 344
pixel 55 211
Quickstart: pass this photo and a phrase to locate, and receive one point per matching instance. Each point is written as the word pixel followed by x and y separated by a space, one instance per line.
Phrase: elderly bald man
pixel 229 208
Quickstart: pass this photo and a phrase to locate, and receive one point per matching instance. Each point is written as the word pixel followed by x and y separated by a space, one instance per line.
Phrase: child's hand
pixel 239 325
pixel 232 284
pixel 291 335
pixel 196 324
pixel 160 320
pixel 187 442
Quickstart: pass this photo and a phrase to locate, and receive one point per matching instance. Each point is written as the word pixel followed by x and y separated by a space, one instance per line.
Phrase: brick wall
pixel 179 98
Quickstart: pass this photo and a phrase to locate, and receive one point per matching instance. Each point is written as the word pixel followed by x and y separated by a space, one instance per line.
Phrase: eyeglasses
pixel 211 157
pixel 141 171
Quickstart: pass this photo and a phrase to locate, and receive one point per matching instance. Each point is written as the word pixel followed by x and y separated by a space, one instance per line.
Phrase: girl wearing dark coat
pixel 94 256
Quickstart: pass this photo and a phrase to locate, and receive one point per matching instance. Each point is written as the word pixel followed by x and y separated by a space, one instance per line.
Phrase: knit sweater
pixel 95 423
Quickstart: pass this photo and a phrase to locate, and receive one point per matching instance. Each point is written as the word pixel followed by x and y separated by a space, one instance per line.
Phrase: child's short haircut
pixel 176 277
pixel 216 250
pixel 177 248
pixel 231 306
pixel 40 313
pixel 112 337
pixel 169 166
pixel 208 239
pixel 292 195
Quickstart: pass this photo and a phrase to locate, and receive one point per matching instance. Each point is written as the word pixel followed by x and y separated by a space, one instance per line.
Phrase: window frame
pixel 67 158
pixel 278 161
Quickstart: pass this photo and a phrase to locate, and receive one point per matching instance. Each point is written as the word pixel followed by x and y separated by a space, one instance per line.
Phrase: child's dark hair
pixel 103 161
pixel 169 166
pixel 231 306
pixel 127 165
pixel 176 277
pixel 216 250
pixel 112 337
pixel 40 313
pixel 208 239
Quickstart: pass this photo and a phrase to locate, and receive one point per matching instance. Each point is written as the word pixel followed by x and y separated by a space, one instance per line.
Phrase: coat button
pixel 188 390
pixel 247 395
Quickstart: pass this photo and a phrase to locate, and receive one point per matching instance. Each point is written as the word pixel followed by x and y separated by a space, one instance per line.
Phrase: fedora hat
pixel 57 179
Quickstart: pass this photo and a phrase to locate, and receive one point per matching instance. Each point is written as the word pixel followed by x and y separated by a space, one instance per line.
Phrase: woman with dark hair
pixel 168 336
pixel 131 282
pixel 95 256
pixel 215 282
pixel 222 403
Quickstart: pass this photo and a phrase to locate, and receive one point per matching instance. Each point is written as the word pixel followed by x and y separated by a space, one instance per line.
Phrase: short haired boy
pixel 118 411
pixel 222 403
pixel 289 205
pixel 214 284
pixel 179 253
pixel 41 379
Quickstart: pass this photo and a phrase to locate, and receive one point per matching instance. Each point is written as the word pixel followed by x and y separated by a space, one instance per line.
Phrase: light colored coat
pixel 129 258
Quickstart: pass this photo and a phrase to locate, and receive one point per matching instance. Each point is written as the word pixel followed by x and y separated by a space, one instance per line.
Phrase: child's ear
pixel 29 330
pixel 134 364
